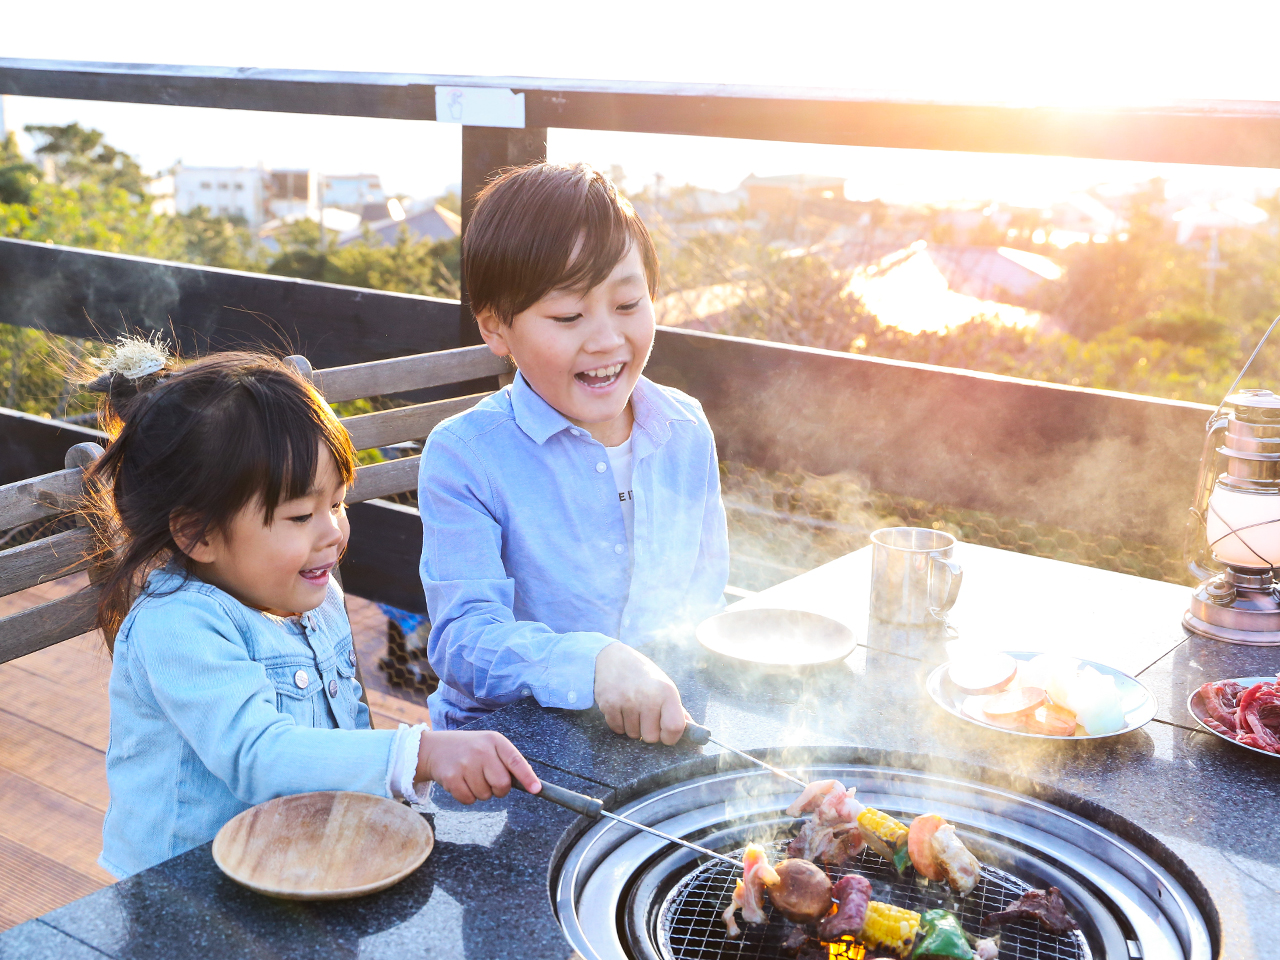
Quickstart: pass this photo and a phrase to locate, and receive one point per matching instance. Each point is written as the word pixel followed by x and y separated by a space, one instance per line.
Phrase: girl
pixel 233 680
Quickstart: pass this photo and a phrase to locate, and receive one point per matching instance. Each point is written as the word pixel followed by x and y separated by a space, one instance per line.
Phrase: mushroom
pixel 802 892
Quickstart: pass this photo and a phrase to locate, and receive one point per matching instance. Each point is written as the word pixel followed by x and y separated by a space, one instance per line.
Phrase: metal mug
pixel 908 566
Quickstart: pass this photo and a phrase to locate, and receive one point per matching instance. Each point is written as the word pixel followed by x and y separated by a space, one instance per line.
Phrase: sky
pixel 1027 51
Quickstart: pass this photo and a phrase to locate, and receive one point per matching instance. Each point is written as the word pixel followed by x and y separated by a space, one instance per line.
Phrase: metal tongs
pixel 698 734
pixel 593 809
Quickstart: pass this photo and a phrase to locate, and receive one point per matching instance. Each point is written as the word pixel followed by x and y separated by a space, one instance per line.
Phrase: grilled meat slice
pixel 1046 906
pixel 852 894
pixel 749 892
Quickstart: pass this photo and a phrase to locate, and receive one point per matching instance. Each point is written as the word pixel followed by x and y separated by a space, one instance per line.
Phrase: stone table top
pixel 1214 808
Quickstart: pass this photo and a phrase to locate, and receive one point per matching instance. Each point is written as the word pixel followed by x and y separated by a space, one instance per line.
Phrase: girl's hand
pixel 473 765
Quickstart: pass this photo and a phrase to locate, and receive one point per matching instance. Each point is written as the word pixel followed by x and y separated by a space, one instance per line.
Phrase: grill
pixel 623 895
pixel 690 925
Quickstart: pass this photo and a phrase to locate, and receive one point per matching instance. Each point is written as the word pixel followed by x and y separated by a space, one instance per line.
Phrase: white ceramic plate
pixel 1137 702
pixel 777 638
pixel 1195 704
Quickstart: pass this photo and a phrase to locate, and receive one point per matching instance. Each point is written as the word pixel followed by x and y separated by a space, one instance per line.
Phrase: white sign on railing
pixel 480 106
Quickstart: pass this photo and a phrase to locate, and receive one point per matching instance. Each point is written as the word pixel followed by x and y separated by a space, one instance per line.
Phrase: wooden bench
pixel 46 498
pixel 57 494
pixel 385 427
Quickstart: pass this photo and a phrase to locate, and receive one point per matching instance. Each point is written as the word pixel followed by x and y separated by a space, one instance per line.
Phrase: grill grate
pixel 690 927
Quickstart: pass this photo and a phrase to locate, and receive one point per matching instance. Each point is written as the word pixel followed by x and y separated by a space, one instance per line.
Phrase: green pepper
pixel 941 936
pixel 901 860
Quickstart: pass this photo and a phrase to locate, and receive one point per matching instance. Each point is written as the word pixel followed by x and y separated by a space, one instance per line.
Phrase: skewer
pixel 697 733
pixel 594 809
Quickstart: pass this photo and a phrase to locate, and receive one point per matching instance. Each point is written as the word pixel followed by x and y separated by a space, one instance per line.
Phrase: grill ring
pixel 609 883
pixel 686 925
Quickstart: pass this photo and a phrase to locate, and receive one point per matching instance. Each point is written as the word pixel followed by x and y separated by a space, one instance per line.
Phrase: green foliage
pixel 18 179
pixel 33 368
pixel 200 237
pixel 88 215
pixel 1131 316
pixel 407 266
pixel 79 155
pixel 96 199
pixel 1108 284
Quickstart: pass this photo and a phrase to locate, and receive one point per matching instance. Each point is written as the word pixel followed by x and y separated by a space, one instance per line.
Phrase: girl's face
pixel 282 567
pixel 583 352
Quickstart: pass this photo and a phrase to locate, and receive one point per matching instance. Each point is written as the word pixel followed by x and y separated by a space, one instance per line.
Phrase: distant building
pixel 427 221
pixel 293 195
pixel 1206 220
pixel 161 192
pixel 779 196
pixel 689 211
pixel 223 191
pixel 351 192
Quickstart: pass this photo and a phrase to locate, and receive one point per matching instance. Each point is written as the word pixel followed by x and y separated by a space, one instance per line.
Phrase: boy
pixel 576 514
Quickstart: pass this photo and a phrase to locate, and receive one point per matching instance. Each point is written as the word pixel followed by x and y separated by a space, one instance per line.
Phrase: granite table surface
pixel 1213 808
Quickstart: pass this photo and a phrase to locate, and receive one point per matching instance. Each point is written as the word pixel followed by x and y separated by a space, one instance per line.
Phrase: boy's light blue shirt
pixel 216 706
pixel 525 561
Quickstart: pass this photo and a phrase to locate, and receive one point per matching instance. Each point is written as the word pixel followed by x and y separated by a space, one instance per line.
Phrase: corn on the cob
pixel 885 835
pixel 892 928
pixel 891 831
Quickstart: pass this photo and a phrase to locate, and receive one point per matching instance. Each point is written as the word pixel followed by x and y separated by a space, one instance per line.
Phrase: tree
pixel 406 266
pixel 79 155
pixel 18 178
pixel 1109 284
pixel 200 237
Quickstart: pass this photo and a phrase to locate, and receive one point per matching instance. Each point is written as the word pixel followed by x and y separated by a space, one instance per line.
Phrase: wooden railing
pixel 1076 458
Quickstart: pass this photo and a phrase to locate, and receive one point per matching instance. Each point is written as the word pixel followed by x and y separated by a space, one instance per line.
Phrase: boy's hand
pixel 473 765
pixel 636 697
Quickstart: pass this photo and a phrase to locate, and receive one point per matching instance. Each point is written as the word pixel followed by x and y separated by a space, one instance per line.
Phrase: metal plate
pixel 691 927
pixel 1138 702
pixel 1195 705
pixel 776 637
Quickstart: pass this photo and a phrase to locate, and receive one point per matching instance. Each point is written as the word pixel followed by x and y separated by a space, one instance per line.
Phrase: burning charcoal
pixel 1046 906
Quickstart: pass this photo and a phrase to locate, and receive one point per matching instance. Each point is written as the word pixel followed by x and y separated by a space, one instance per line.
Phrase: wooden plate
pixel 323 846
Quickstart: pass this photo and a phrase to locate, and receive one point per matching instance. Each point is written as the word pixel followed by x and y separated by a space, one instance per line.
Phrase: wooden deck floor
pixel 53 741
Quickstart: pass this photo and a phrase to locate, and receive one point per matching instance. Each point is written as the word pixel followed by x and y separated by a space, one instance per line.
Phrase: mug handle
pixel 955 576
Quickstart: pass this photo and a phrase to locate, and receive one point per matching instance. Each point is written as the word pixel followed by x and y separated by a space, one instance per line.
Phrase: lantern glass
pixel 1243 527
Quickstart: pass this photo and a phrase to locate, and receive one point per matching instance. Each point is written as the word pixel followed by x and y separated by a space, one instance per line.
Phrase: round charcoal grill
pixel 690 925
pixel 624 895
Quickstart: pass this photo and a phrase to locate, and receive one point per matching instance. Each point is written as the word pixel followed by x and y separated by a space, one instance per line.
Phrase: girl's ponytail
pixel 132 368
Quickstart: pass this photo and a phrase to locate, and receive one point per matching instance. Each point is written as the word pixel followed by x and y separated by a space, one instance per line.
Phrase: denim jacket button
pixel 301 679
pixel 333 688
pixel 600 467
pixel 618 548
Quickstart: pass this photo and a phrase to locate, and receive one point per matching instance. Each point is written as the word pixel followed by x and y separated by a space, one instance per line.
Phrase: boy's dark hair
pixel 199 443
pixel 527 224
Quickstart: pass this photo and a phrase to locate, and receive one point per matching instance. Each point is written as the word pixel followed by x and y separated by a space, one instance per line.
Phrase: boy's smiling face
pixel 583 351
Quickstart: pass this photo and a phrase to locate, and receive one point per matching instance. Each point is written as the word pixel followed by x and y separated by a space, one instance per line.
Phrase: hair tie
pixel 135 357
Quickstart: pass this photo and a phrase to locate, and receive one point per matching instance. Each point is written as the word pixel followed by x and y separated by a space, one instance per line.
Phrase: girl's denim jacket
pixel 216 706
